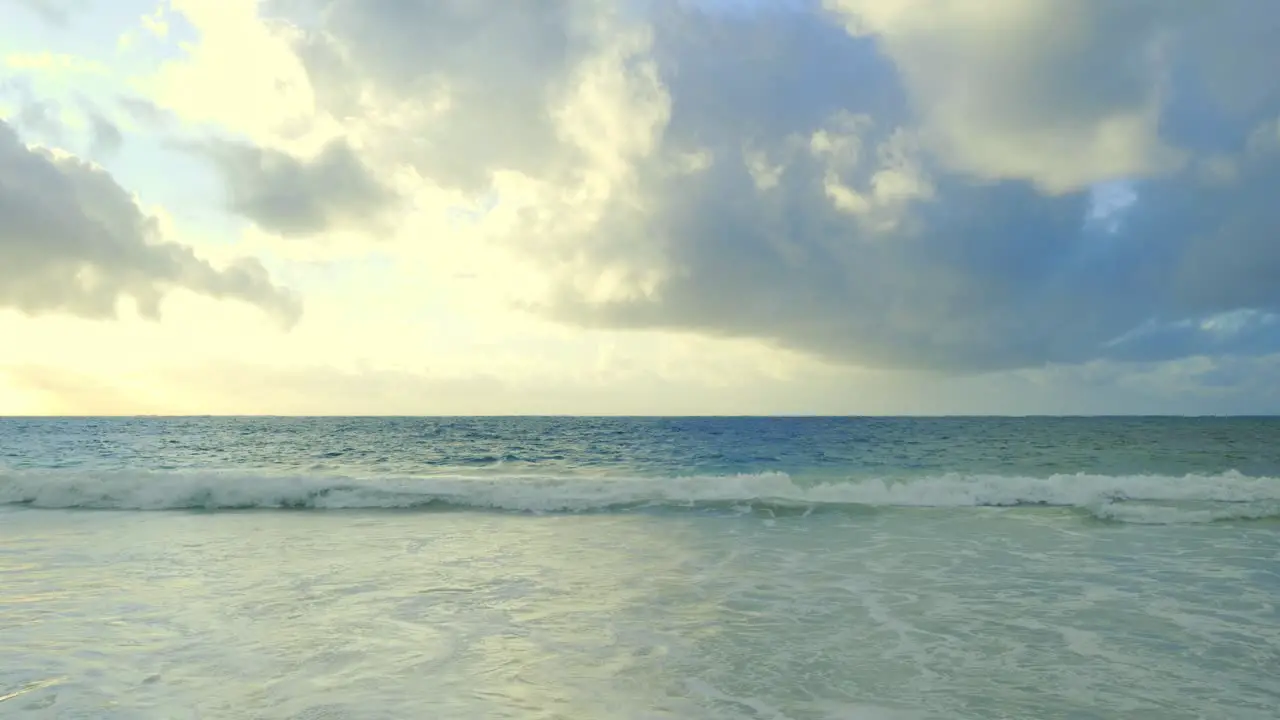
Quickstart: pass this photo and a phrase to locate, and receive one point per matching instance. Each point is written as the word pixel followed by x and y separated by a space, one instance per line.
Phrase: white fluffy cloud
pixel 1060 94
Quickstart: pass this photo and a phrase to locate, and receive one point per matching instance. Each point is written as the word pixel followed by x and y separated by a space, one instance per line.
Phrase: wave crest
pixel 1140 498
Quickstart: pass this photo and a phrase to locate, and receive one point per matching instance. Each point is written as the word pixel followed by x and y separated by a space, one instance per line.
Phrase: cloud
pixel 56 12
pixel 50 119
pixel 888 183
pixel 107 138
pixel 1250 332
pixel 35 115
pixel 299 196
pixel 73 241
pixel 476 82
pixel 42 118
pixel 144 111
pixel 1058 94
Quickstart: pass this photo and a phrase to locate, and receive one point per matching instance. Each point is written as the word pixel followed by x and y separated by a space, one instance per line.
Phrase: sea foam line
pixel 213 490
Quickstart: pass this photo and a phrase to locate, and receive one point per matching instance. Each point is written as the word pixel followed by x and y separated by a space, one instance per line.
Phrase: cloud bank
pixel 885 183
pixel 73 241
pixel 294 196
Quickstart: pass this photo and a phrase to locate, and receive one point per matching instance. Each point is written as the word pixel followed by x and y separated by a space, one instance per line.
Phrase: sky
pixel 423 207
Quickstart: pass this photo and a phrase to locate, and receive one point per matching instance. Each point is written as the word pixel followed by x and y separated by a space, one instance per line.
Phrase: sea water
pixel 640 568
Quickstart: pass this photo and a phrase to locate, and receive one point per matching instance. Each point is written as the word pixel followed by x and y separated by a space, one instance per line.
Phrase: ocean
pixel 640 568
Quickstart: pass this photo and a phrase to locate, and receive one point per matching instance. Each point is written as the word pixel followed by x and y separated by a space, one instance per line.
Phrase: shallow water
pixel 256 578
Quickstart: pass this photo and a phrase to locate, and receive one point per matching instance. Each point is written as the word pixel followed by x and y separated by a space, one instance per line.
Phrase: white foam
pixel 1158 514
pixel 1117 498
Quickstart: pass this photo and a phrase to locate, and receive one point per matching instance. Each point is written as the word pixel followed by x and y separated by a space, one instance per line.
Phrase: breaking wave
pixel 1151 499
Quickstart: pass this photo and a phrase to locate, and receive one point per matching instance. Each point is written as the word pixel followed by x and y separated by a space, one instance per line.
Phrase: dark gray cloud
pixel 292 196
pixel 989 280
pixel 73 241
pixel 971 273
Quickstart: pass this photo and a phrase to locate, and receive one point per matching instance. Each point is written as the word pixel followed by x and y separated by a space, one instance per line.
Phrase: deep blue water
pixel 656 447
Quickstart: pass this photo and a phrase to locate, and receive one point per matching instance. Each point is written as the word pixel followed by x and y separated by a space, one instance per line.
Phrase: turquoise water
pixel 639 568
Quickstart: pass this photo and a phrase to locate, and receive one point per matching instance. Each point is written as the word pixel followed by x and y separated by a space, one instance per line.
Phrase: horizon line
pixel 623 416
